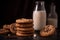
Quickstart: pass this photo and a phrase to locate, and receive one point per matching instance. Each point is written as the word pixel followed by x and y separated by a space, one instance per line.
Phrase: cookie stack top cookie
pixel 23 20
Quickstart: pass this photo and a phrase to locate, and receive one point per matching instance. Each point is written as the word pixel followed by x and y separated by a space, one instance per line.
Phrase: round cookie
pixel 26 32
pixel 25 29
pixel 23 20
pixel 47 30
pixel 20 34
pixel 3 31
pixel 6 26
pixel 13 28
pixel 24 25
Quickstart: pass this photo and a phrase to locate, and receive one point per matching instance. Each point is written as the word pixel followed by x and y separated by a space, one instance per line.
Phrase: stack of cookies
pixel 24 27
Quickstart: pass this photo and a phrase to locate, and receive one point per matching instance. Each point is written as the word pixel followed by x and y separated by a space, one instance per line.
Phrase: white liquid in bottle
pixel 39 19
pixel 52 21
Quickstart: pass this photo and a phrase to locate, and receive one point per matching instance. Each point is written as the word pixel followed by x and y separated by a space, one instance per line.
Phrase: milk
pixel 39 19
pixel 52 21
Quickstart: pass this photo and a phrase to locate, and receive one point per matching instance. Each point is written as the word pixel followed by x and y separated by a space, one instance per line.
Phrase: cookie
pixel 20 34
pixel 3 31
pixel 13 28
pixel 23 20
pixel 6 26
pixel 47 30
pixel 24 25
pixel 24 29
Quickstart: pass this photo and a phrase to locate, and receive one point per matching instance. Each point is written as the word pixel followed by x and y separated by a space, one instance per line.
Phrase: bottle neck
pixel 39 6
pixel 52 10
pixel 42 6
pixel 52 13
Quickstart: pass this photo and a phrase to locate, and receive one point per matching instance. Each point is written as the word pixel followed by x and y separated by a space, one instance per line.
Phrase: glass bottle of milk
pixel 39 16
pixel 52 17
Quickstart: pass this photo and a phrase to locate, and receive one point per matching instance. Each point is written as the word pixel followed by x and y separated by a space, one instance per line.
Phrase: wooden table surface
pixel 13 37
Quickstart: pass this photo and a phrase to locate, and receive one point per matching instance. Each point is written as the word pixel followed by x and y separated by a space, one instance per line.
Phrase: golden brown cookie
pixel 23 20
pixel 47 30
pixel 6 26
pixel 24 25
pixel 20 34
pixel 13 28
pixel 25 29
pixel 3 31
pixel 26 32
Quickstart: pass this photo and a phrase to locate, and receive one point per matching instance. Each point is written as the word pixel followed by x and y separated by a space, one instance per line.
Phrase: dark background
pixel 14 9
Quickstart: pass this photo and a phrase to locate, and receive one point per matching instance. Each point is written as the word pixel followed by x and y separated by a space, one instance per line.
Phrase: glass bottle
pixel 52 17
pixel 39 16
